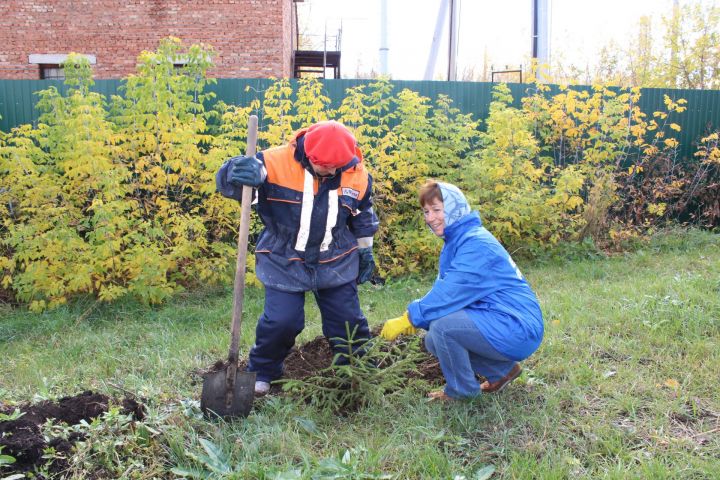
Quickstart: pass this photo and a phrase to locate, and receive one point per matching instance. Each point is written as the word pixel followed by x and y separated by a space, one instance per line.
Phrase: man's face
pixel 323 171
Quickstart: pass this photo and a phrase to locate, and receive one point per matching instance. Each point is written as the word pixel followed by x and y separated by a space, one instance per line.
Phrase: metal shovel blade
pixel 218 400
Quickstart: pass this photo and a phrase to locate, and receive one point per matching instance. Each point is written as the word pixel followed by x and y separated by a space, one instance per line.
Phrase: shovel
pixel 227 392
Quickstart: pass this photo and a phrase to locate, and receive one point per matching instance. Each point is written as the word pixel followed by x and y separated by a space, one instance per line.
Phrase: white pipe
pixel 453 39
pixel 383 38
pixel 541 33
pixel 432 58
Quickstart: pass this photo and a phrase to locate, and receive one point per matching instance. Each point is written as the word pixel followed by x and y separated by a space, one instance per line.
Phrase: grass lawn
pixel 625 384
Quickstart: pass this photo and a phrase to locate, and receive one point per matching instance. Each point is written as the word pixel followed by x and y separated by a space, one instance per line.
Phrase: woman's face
pixel 435 216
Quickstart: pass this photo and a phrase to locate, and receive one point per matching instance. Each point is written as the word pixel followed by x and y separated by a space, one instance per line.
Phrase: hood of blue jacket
pixel 455 207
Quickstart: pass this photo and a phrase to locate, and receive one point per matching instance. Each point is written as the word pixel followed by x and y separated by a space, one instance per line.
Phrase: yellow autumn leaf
pixel 574 201
pixel 672 383
pixel 570 103
pixel 37 306
pixel 671 143
pixel 557 115
pixel 657 209
pixel 675 127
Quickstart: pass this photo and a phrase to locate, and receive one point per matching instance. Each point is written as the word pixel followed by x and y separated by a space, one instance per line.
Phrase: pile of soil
pixel 309 359
pixel 22 438
pixel 316 355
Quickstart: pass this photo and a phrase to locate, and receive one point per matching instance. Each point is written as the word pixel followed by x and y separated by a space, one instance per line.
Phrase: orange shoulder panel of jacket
pixel 355 178
pixel 283 169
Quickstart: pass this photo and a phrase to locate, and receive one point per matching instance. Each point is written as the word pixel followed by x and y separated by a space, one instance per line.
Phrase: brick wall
pixel 252 38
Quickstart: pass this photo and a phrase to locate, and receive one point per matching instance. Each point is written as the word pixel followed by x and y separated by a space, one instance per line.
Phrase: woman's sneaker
pixel 261 388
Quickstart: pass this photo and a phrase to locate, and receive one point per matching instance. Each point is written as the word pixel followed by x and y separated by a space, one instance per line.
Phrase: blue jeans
pixel 463 351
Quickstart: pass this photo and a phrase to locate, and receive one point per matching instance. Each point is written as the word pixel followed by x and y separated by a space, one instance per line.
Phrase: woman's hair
pixel 429 192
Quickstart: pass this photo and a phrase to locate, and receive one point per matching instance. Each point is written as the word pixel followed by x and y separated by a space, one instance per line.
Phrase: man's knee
pixel 283 321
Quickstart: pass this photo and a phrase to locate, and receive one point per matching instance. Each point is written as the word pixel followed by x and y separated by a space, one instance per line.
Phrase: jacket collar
pixel 462 225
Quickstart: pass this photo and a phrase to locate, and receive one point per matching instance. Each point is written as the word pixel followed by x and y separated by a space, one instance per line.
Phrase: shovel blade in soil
pixel 213 400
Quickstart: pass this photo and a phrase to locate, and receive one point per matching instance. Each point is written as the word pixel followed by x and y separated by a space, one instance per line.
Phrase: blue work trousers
pixel 463 351
pixel 284 318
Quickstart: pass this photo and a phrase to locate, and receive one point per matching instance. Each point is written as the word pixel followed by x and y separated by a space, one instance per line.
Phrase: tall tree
pixel 692 35
pixel 683 54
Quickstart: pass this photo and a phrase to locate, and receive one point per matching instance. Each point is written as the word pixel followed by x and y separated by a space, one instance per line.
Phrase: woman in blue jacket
pixel 481 315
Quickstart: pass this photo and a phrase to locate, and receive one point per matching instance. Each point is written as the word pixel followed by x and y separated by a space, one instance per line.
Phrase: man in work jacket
pixel 314 198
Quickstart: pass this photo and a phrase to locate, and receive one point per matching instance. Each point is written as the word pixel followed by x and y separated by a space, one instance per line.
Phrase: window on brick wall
pixel 51 71
pixel 50 64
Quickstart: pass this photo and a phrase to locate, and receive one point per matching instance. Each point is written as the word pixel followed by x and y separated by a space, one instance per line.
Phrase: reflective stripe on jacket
pixel 311 223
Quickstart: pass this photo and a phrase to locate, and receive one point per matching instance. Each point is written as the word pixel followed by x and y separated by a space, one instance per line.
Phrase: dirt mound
pixel 310 358
pixel 22 438
pixel 316 355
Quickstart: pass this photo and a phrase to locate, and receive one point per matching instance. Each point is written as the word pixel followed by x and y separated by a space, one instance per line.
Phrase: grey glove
pixel 246 171
pixel 367 265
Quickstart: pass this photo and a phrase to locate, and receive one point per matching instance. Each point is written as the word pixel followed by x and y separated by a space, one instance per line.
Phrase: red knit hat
pixel 329 144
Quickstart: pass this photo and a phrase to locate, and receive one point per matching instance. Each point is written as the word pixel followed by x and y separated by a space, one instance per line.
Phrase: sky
pixel 500 30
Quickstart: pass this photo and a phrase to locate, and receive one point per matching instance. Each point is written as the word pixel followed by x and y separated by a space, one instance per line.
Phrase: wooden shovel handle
pixel 239 287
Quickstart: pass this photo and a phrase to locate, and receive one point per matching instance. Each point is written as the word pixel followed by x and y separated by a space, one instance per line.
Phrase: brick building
pixel 251 38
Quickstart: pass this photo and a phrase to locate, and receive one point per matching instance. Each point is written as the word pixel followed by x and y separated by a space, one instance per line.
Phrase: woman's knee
pixel 437 338
pixel 430 342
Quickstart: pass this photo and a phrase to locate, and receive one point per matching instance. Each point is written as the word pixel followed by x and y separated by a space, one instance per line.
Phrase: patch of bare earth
pixel 23 439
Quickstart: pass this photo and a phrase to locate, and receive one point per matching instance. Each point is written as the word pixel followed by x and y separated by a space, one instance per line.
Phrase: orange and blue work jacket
pixel 313 224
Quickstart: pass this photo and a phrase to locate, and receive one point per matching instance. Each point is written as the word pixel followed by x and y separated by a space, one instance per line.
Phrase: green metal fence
pixel 18 99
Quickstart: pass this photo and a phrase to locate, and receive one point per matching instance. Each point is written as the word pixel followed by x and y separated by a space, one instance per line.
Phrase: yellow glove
pixel 397 326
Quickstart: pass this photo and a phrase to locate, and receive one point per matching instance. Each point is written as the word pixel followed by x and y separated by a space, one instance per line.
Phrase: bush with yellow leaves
pixel 116 197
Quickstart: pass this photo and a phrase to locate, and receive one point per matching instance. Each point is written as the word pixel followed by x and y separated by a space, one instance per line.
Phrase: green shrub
pixel 115 198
